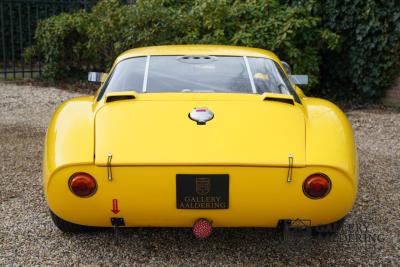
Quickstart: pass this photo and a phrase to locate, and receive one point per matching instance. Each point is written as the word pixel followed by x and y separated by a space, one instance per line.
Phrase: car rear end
pixel 183 139
pixel 247 196
pixel 244 167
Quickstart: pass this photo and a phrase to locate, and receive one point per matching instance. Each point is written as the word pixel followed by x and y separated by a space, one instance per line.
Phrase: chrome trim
pixel 253 87
pixel 109 172
pixel 146 73
pixel 290 170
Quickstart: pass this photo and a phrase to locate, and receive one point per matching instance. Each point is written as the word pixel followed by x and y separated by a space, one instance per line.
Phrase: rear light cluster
pixel 317 186
pixel 82 184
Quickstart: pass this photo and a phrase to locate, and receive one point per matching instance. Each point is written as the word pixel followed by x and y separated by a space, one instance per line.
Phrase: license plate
pixel 202 191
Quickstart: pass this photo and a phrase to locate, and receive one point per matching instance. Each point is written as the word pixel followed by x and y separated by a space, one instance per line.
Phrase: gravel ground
pixel 28 237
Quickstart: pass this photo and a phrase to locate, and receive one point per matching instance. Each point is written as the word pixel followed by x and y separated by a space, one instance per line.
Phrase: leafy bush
pixel 350 49
pixel 72 44
pixel 369 56
pixel 61 43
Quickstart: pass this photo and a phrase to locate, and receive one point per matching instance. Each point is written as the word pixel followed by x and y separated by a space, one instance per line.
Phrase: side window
pixel 289 87
pixel 128 75
pixel 264 75
pixel 269 77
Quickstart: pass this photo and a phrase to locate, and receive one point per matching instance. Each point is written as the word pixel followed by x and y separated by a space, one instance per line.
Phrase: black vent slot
pixel 200 59
pixel 283 100
pixel 118 98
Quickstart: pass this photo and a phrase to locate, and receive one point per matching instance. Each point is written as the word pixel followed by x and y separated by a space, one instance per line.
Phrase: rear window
pixel 202 73
pixel 198 74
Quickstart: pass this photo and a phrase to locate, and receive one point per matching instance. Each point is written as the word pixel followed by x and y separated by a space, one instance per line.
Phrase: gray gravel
pixel 28 237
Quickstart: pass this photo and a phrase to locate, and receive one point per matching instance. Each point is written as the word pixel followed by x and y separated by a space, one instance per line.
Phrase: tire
pixel 68 227
pixel 328 229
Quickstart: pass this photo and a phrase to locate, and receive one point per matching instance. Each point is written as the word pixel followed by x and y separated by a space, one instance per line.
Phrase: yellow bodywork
pixel 152 140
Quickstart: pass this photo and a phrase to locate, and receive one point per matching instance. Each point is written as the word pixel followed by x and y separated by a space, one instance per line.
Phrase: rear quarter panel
pixel 70 137
pixel 330 139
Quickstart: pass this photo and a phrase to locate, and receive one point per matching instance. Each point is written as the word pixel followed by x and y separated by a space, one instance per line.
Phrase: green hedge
pixel 72 44
pixel 346 53
pixel 369 56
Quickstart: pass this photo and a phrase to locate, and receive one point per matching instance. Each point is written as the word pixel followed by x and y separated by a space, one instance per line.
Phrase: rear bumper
pixel 258 196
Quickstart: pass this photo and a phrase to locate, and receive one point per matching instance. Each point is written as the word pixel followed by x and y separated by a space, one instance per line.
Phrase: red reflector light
pixel 202 228
pixel 317 186
pixel 82 184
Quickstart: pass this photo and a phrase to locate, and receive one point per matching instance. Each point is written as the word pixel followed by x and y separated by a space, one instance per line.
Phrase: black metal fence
pixel 18 21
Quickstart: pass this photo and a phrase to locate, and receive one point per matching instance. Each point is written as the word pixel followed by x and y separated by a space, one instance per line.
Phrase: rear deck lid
pixel 155 129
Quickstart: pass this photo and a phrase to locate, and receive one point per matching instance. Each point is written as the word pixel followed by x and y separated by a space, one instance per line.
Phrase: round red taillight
pixel 82 184
pixel 317 186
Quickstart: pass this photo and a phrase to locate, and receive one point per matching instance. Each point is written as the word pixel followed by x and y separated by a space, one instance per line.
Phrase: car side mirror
pixel 97 77
pixel 295 79
pixel 299 79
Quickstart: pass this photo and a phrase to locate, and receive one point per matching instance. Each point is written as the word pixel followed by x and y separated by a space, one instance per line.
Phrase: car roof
pixel 212 50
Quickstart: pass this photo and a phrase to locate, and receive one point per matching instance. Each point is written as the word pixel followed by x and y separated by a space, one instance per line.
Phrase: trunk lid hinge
pixel 290 170
pixel 109 172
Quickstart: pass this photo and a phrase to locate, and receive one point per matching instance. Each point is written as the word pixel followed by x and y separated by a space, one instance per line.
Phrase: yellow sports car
pixel 199 136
